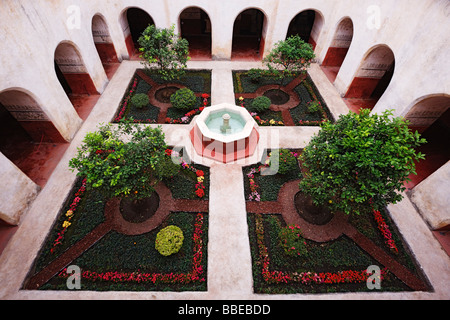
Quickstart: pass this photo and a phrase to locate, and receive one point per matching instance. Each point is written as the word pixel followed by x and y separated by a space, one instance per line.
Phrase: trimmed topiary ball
pixel 169 240
pixel 184 99
pixel 260 104
pixel 140 100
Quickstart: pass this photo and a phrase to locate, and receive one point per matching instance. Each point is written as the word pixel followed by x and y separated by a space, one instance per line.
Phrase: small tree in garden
pixel 289 57
pixel 124 160
pixel 164 51
pixel 360 163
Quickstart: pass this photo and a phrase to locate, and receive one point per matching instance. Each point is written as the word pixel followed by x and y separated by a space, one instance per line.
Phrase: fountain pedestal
pixel 225 133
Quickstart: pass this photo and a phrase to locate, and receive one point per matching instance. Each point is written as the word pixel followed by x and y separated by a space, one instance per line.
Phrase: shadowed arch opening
pixel 308 25
pixel 75 79
pixel 28 138
pixel 430 116
pixel 195 27
pixel 104 45
pixel 249 35
pixel 372 78
pixel 338 49
pixel 133 22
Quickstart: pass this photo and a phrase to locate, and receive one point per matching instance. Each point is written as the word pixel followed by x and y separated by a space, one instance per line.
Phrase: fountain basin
pixel 238 142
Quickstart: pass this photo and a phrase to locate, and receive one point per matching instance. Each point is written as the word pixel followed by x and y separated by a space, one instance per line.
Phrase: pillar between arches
pixel 16 194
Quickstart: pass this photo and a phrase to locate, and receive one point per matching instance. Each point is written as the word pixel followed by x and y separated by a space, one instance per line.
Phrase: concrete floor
pixel 228 241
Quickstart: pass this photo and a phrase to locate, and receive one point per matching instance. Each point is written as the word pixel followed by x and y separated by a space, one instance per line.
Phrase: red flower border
pixel 73 207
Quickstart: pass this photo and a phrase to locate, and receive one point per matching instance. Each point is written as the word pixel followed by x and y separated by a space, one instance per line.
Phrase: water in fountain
pixel 216 123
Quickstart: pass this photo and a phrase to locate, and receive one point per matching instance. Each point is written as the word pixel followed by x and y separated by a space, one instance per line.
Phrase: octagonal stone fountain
pixel 225 133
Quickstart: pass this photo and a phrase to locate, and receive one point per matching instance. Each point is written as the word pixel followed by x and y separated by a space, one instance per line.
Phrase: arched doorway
pixel 307 24
pixel 430 116
pixel 28 137
pixel 372 78
pixel 104 45
pixel 195 27
pixel 248 35
pixel 75 79
pixel 338 49
pixel 134 21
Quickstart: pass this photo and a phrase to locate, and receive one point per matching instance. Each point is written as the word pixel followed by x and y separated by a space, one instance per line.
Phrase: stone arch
pixel 308 25
pixel 133 21
pixel 71 70
pixel 104 44
pixel 249 32
pixel 338 49
pixel 28 137
pixel 430 116
pixel 195 26
pixel 102 39
pixel 373 76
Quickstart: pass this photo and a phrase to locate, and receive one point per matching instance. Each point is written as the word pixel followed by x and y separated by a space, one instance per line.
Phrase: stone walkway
pixel 229 262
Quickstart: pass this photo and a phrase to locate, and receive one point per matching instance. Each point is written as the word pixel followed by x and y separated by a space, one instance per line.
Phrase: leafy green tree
pixel 124 160
pixel 164 51
pixel 289 57
pixel 361 162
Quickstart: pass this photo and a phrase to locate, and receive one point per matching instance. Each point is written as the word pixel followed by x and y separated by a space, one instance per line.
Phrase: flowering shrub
pixel 199 186
pixel 69 214
pixel 287 161
pixel 186 118
pixel 254 195
pixel 262 122
pixel 292 241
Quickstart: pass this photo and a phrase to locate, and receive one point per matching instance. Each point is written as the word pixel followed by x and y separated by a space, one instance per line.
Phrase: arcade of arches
pixel 32 141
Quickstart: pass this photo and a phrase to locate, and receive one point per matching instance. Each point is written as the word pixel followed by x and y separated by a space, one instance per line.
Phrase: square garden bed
pixel 115 253
pixel 336 252
pixel 290 107
pixel 159 109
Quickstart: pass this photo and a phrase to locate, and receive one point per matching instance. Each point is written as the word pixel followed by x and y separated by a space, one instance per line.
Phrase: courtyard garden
pixel 137 217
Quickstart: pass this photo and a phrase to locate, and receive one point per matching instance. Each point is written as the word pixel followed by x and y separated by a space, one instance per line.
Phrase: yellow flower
pixel 241 98
pixel 272 121
pixel 330 201
pixel 69 213
pixel 66 224
pixel 200 179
